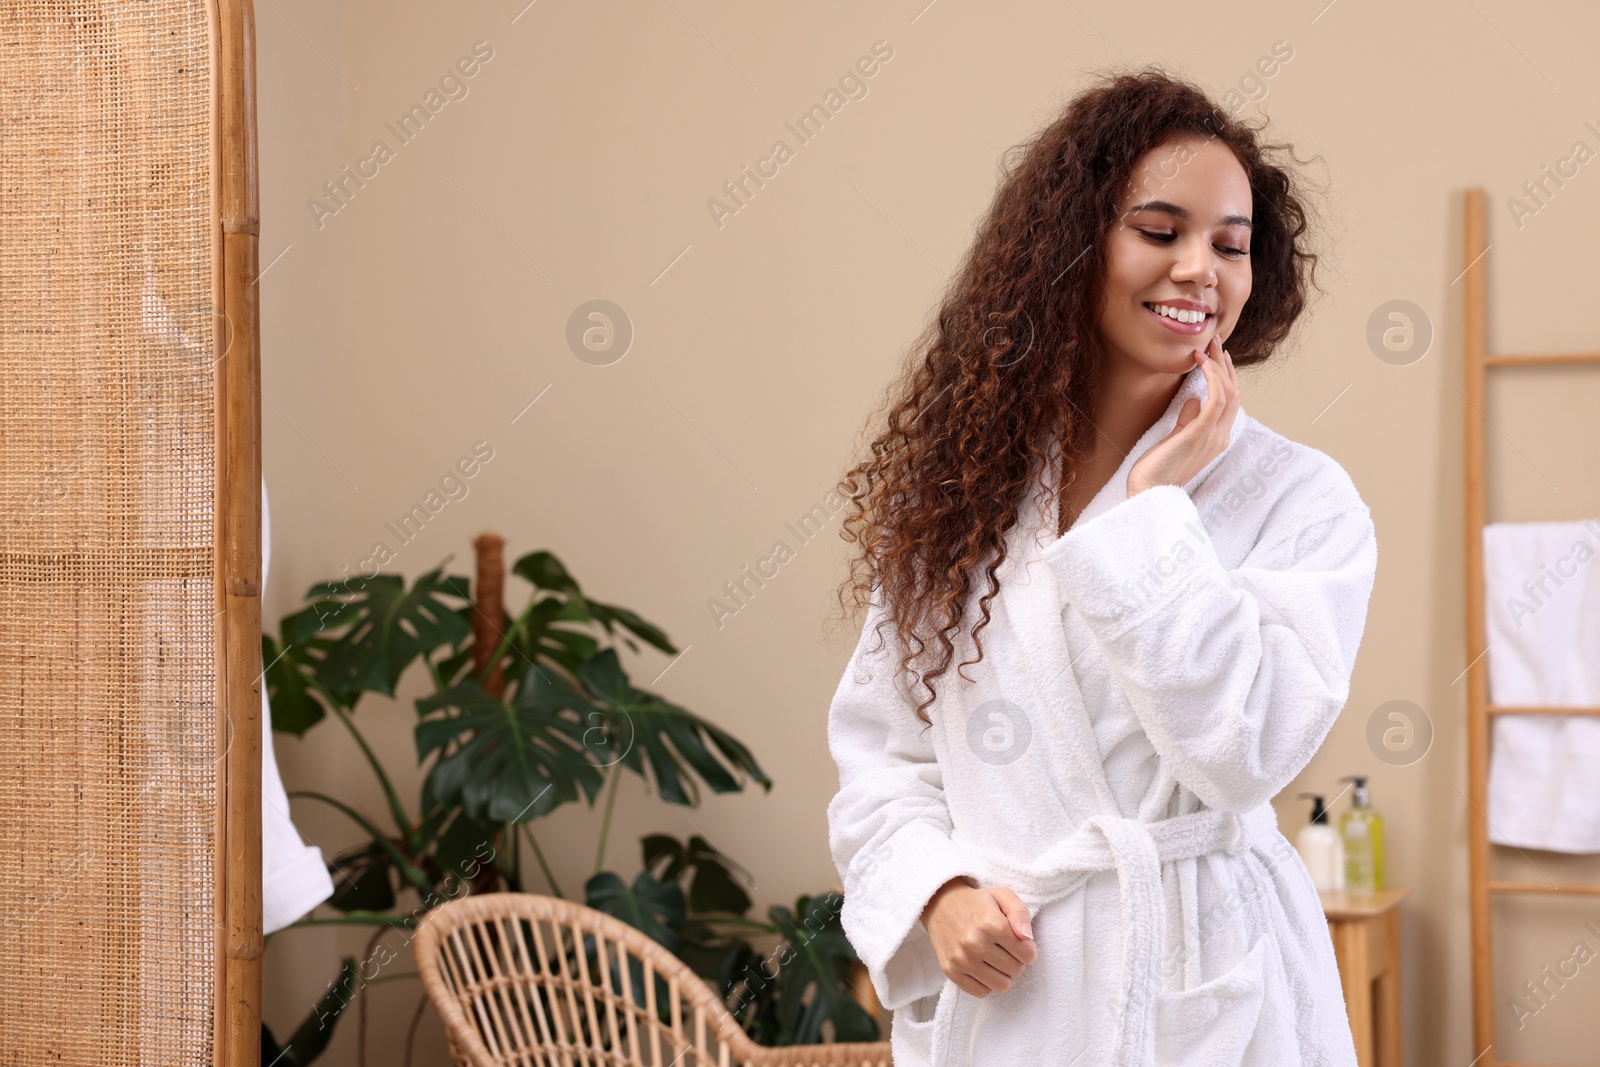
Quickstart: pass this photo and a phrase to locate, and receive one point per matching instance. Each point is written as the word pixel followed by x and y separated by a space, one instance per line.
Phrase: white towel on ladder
pixel 1542 603
pixel 294 877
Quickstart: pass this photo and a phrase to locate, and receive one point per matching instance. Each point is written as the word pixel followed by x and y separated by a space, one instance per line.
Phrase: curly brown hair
pixel 1012 363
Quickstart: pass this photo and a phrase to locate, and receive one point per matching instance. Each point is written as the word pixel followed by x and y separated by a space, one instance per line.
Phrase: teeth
pixel 1181 314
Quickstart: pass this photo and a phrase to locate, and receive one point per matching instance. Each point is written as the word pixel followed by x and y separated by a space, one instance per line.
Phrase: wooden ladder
pixel 1478 364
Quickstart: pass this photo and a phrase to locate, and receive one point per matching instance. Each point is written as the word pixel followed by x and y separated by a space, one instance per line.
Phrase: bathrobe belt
pixel 1135 851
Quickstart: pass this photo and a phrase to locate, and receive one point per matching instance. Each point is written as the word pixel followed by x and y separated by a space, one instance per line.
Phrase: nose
pixel 1195 263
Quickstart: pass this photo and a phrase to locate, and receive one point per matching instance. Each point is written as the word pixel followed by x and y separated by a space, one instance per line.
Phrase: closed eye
pixel 1167 239
pixel 1164 238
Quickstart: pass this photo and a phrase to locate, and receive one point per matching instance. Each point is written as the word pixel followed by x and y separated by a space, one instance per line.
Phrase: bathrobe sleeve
pixel 888 826
pixel 1236 675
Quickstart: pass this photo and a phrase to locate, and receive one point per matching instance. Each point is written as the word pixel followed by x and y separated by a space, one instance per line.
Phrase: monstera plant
pixel 529 713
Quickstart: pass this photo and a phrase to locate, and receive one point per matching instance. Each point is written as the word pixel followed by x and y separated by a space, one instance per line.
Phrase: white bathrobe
pixel 294 877
pixel 1149 682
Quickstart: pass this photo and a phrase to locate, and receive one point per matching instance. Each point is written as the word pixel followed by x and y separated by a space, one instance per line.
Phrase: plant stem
pixel 538 853
pixel 411 1031
pixel 749 924
pixel 361 1008
pixel 514 878
pixel 395 921
pixel 407 868
pixel 395 810
pixel 402 976
pixel 605 822
pixel 356 919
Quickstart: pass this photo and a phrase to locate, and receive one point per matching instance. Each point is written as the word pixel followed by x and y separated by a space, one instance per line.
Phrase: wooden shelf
pixel 1339 904
pixel 1365 928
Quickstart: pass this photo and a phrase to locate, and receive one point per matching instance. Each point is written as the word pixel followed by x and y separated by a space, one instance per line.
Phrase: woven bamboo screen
pixel 127 418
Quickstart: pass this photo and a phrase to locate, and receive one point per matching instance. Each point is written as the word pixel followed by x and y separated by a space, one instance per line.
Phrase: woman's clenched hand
pixel 982 935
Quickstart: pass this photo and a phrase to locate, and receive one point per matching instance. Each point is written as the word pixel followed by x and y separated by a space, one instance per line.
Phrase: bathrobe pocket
pixel 1211 1024
pixel 911 1033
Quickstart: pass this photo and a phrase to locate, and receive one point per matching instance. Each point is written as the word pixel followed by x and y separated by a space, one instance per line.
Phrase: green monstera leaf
pixel 540 635
pixel 654 907
pixel 558 626
pixel 712 886
pixel 650 905
pixel 820 960
pixel 464 848
pixel 454 667
pixel 293 665
pixel 661 742
pixel 511 761
pixel 547 572
pixel 364 879
pixel 387 627
pixel 747 980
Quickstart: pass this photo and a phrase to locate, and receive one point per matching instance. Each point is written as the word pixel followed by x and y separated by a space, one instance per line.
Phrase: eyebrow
pixel 1183 213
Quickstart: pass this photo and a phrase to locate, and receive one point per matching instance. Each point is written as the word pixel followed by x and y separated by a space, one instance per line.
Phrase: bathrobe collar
pixel 1037 521
pixel 1034 600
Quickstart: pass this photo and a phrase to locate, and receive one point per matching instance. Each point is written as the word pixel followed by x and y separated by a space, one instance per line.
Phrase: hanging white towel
pixel 1542 603
pixel 294 877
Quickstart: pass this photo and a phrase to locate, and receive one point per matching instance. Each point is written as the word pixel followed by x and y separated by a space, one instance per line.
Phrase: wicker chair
pixel 591 992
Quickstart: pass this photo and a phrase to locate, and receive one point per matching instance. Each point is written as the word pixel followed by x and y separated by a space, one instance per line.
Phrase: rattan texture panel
pixel 109 743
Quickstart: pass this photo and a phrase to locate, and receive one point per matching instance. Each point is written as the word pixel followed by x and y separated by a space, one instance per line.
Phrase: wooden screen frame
pixel 236 236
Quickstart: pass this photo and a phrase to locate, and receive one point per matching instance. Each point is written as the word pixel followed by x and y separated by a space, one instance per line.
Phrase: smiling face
pixel 1180 250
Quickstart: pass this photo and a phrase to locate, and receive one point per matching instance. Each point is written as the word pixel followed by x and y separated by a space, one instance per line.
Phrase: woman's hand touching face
pixel 1202 430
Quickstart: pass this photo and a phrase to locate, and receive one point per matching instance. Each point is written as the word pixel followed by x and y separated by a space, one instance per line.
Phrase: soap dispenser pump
pixel 1319 846
pixel 1361 832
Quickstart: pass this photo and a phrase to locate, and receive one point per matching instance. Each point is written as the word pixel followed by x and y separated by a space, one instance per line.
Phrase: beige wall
pixel 432 309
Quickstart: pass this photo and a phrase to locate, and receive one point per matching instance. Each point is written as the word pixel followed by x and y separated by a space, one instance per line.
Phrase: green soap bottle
pixel 1361 832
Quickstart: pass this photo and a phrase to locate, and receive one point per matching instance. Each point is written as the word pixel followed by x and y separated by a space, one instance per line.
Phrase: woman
pixel 1066 853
